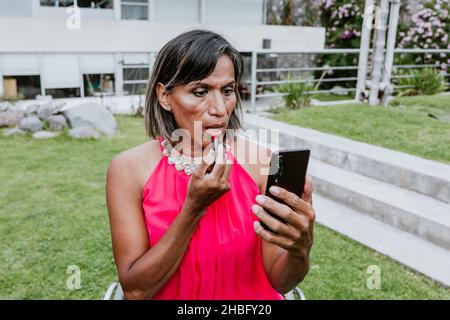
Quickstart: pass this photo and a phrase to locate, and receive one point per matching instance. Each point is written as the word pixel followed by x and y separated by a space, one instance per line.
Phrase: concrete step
pixel 406 225
pixel 412 212
pixel 411 251
pixel 427 177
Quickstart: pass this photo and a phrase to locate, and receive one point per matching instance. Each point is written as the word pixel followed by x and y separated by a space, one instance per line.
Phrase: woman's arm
pixel 286 254
pixel 286 271
pixel 143 271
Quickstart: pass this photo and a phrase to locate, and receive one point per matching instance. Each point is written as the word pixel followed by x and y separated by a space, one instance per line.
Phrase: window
pixel 17 64
pixel 61 70
pixel 98 84
pixel 21 87
pixel 246 12
pixel 63 92
pixel 101 4
pixel 97 63
pixel 134 9
pixel 133 73
pixel 135 79
pixel 186 11
pixel 135 88
pixel 56 3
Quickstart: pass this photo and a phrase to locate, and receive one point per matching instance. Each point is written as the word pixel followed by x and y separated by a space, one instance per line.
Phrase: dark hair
pixel 191 56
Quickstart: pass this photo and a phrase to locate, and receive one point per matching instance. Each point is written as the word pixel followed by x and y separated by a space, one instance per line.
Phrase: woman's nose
pixel 218 106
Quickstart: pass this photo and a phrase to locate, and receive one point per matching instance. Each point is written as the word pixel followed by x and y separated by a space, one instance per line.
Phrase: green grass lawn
pixel 53 215
pixel 404 126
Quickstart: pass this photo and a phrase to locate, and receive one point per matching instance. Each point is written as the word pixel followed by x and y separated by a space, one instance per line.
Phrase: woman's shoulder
pixel 137 163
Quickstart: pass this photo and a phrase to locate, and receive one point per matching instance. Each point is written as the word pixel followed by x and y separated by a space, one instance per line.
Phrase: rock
pixel 45 134
pixel 94 115
pixel 46 110
pixel 31 123
pixel 31 109
pixel 5 106
pixel 58 106
pixel 14 132
pixel 339 91
pixel 44 98
pixel 84 133
pixel 11 118
pixel 57 122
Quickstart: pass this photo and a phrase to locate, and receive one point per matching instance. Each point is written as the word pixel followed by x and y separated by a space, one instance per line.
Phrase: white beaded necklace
pixel 181 161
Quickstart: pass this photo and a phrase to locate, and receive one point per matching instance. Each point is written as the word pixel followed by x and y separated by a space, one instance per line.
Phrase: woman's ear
pixel 162 96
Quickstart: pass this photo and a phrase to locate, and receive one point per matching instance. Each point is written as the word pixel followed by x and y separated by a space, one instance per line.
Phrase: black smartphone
pixel 287 170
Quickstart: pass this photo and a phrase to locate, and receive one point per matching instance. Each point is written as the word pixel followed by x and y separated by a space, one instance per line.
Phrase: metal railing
pixel 259 83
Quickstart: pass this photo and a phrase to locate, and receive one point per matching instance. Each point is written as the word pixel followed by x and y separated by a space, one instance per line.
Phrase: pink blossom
pixel 327 3
pixel 347 34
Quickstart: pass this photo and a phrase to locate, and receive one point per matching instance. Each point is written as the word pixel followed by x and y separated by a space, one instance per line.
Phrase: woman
pixel 190 229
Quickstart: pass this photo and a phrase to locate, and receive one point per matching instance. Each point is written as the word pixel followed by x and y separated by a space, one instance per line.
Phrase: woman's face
pixel 207 103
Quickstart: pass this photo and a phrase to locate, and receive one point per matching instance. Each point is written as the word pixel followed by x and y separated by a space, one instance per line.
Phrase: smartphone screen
pixel 288 170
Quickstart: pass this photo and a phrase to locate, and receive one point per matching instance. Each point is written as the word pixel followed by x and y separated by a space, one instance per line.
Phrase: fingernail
pixel 274 190
pixel 256 225
pixel 210 157
pixel 255 209
pixel 260 199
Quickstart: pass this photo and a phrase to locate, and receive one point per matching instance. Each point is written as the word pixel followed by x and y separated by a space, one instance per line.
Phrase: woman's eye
pixel 228 92
pixel 200 93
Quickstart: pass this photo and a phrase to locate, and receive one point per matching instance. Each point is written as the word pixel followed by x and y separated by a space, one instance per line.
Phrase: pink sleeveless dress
pixel 223 260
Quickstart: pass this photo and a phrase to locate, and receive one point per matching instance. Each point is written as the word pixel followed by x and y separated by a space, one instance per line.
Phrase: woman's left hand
pixel 296 234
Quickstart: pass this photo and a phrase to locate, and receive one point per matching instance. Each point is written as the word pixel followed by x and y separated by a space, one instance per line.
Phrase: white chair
pixel 115 292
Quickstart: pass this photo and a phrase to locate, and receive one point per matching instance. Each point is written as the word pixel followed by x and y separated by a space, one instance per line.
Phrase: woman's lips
pixel 215 131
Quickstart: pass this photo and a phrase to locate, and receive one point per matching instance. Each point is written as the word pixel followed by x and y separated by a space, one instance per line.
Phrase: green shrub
pixel 296 93
pixel 427 81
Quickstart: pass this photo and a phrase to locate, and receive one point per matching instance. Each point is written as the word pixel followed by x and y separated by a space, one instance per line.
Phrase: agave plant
pixel 426 81
pixel 296 94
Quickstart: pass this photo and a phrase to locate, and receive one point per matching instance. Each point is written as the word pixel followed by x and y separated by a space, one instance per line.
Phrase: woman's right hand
pixel 204 188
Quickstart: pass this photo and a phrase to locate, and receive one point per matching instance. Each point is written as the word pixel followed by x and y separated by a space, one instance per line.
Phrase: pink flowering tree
pixel 429 29
pixel 343 21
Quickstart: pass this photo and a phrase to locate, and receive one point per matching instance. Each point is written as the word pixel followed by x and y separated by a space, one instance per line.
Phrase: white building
pixel 43 49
